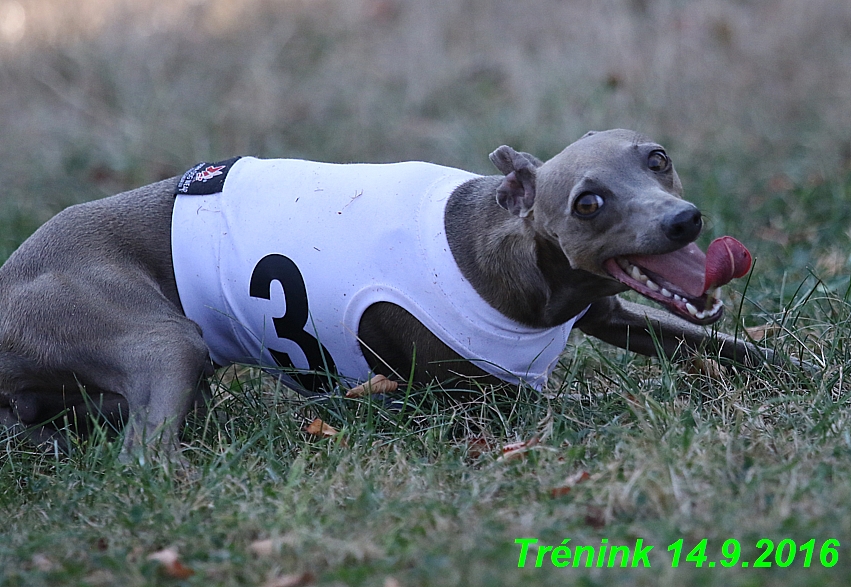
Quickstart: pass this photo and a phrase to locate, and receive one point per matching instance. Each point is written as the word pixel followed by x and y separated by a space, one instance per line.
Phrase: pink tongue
pixel 684 268
pixel 726 259
pixel 694 272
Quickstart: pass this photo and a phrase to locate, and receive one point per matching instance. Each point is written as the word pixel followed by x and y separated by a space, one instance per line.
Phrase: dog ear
pixel 516 193
pixel 532 159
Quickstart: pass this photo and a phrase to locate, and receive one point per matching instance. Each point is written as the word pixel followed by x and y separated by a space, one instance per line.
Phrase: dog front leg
pixel 163 391
pixel 646 330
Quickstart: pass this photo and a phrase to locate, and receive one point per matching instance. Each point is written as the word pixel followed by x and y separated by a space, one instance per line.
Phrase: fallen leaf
pixel 272 546
pixel 135 554
pixel 170 563
pixel 595 517
pixel 572 481
pixel 833 262
pixel 709 367
pixel 517 450
pixel 760 332
pixel 774 235
pixel 780 183
pixel 320 428
pixel 477 446
pixel 377 385
pixel 293 580
pixel 266 547
pixel 43 563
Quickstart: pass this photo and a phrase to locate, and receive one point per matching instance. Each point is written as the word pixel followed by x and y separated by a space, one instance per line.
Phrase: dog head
pixel 612 201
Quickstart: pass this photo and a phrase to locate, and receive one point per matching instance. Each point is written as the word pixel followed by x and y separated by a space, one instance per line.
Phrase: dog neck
pixel 514 267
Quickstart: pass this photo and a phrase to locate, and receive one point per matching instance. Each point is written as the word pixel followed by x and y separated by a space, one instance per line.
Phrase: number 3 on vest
pixel 291 325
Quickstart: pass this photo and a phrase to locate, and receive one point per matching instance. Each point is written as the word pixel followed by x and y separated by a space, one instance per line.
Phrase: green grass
pixel 421 496
pixel 749 98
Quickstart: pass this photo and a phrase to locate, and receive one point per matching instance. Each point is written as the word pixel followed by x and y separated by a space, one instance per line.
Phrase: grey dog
pixel 92 321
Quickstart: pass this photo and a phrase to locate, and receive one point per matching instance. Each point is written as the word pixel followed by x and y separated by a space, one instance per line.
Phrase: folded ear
pixel 516 193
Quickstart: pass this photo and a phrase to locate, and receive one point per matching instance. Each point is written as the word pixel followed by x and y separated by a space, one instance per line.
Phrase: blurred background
pixel 751 97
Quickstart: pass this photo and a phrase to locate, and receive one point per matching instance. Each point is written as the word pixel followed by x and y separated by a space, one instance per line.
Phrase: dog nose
pixel 683 227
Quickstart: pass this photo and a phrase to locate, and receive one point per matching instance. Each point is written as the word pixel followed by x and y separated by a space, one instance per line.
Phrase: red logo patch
pixel 209 173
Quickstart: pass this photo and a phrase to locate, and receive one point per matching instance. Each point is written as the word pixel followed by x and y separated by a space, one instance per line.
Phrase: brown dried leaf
pixel 709 367
pixel 832 263
pixel 43 563
pixel 760 332
pixel 135 554
pixel 595 517
pixel 292 580
pixel 272 546
pixel 780 183
pixel 320 428
pixel 266 547
pixel 376 385
pixel 100 578
pixel 517 450
pixel 569 483
pixel 774 235
pixel 478 445
pixel 170 563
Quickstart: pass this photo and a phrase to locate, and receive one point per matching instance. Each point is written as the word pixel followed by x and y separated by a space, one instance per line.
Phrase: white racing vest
pixel 277 260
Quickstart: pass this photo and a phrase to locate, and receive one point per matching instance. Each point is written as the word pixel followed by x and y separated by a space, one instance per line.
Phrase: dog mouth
pixel 687 282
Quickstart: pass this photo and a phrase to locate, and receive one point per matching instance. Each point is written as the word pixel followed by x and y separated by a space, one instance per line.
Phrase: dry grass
pixel 752 99
pixel 116 92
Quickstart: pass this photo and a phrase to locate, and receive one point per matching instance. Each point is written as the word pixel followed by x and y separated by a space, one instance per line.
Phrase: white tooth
pixel 678 298
pixel 713 294
pixel 691 309
pixel 666 293
pixel 652 285
pixel 636 273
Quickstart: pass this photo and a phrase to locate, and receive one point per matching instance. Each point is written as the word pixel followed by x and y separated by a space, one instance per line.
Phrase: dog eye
pixel 658 161
pixel 587 204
